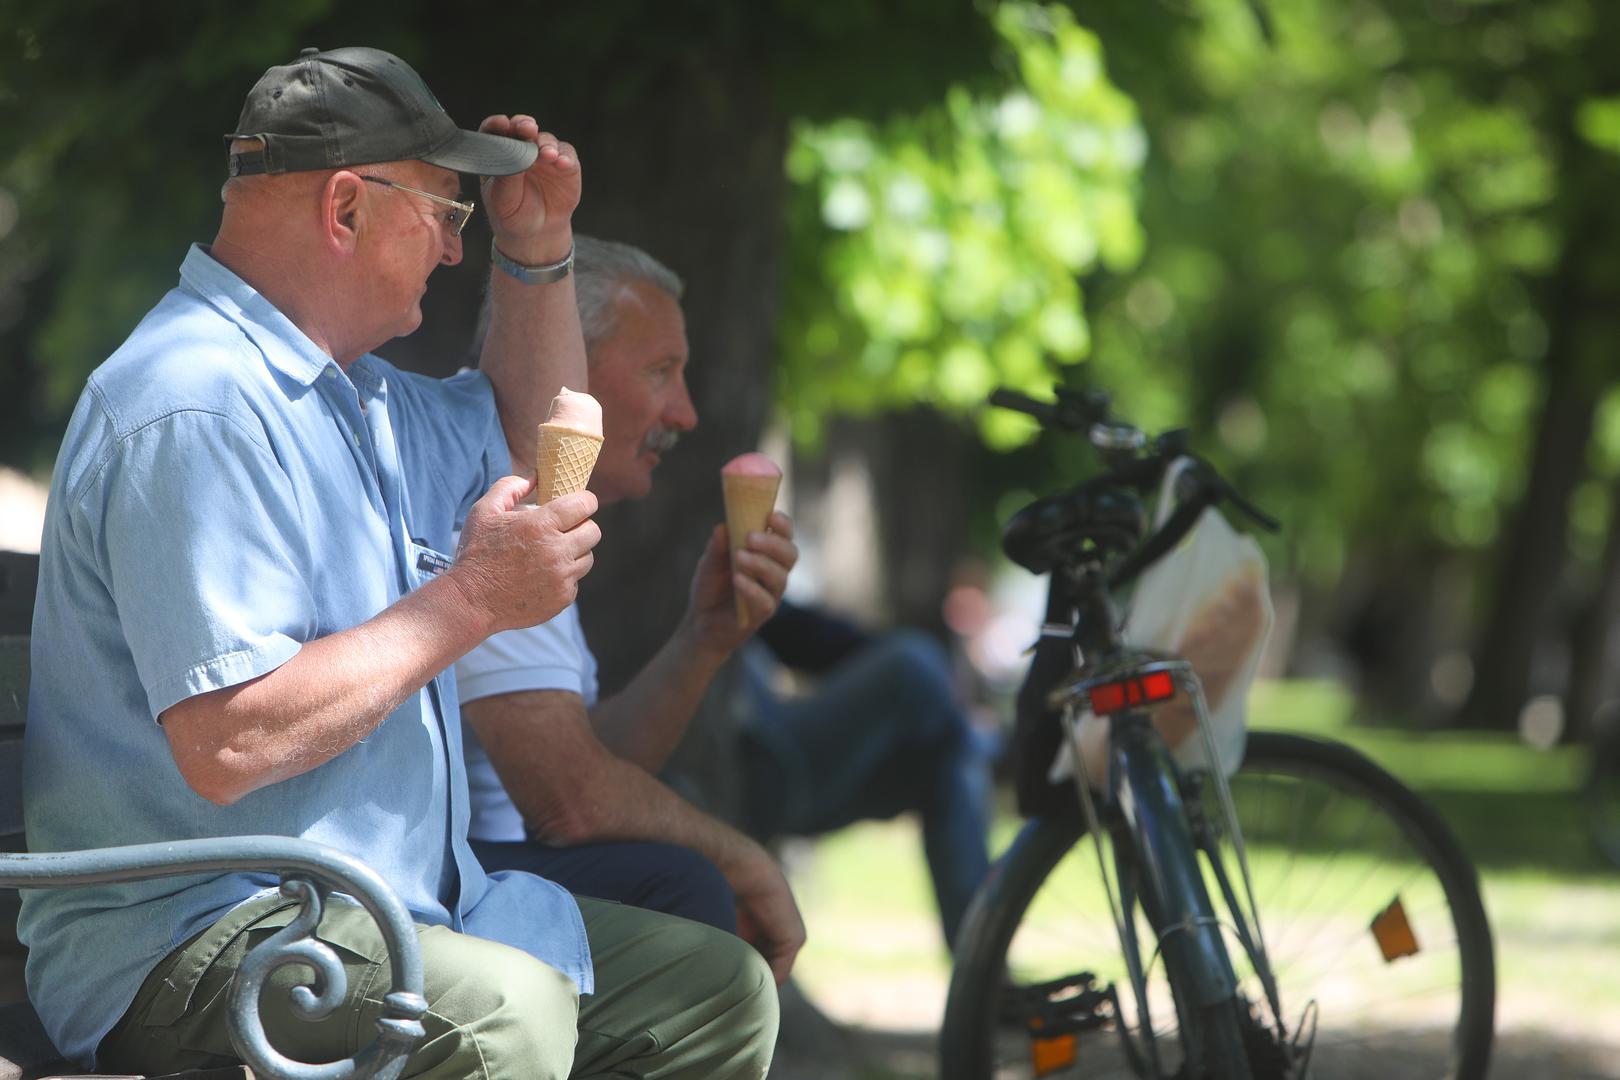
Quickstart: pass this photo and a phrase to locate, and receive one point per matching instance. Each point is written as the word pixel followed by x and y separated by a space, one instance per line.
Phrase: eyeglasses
pixel 456 216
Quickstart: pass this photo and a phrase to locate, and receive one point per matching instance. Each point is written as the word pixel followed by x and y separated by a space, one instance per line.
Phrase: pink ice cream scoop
pixel 576 411
pixel 752 464
pixel 749 482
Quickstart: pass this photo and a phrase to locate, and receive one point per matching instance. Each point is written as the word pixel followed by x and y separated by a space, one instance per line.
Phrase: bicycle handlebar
pixel 1074 410
pixel 1139 463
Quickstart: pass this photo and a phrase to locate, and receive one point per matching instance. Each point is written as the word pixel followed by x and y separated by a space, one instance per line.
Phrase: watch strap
pixel 534 275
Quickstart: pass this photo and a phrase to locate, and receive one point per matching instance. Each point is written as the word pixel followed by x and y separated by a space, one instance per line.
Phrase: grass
pixel 1513 807
pixel 875 960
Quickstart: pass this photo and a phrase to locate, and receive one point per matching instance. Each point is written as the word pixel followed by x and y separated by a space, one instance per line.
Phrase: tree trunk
pixel 1576 303
pixel 887 501
pixel 1405 609
pixel 1536 548
pixel 1592 679
pixel 713 214
pixel 920 466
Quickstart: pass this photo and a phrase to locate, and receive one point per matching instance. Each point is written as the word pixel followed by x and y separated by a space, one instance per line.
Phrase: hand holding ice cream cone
pixel 750 483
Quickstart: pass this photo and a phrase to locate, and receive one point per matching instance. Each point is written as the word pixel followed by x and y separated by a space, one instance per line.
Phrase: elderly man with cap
pixel 245 543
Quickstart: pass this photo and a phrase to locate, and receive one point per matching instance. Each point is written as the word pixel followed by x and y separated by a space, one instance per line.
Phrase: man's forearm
pixel 570 789
pixel 637 806
pixel 644 722
pixel 328 697
pixel 533 347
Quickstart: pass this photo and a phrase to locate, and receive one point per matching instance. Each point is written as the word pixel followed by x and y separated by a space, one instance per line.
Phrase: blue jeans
pixel 882 734
pixel 658 877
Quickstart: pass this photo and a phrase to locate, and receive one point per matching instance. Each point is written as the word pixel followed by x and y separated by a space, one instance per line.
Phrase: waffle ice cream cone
pixel 567 445
pixel 749 502
pixel 563 461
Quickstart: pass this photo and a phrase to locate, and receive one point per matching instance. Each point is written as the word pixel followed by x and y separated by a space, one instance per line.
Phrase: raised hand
pixel 520 564
pixel 531 212
pixel 759 577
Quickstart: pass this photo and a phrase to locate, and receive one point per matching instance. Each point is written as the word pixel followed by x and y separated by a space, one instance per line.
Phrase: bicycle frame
pixel 1159 865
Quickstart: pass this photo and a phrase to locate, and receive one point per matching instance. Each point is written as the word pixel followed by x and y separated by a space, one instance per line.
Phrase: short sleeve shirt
pixel 225 493
pixel 551 656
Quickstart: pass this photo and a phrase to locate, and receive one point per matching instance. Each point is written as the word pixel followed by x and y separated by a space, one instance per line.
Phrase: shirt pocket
pixel 426 564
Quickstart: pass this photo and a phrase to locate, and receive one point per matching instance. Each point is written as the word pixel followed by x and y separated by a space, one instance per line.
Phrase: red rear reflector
pixel 1159 686
pixel 1110 697
pixel 1114 696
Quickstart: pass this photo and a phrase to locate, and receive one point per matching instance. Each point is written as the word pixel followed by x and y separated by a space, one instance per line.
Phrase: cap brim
pixel 483 155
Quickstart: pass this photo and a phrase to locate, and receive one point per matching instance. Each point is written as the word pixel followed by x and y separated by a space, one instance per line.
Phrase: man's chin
pixel 408 324
pixel 640 485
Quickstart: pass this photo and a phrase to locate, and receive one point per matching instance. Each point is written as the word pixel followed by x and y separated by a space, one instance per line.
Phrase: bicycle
pixel 1373 956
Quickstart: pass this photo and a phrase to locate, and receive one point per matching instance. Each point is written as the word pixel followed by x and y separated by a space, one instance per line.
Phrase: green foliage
pixel 114 160
pixel 1598 121
pixel 1351 229
pixel 1350 232
pixel 938 255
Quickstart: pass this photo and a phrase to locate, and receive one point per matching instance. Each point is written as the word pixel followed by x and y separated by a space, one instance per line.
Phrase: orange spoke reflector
pixel 1393 932
pixel 1114 696
pixel 1052 1053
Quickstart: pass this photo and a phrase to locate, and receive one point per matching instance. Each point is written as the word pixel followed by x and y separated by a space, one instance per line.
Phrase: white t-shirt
pixel 551 656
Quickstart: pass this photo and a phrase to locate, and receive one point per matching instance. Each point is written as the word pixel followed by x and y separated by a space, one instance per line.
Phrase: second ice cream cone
pixel 749 502
pixel 563 461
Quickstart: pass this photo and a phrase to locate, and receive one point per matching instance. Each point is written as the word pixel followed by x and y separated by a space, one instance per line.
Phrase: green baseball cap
pixel 358 106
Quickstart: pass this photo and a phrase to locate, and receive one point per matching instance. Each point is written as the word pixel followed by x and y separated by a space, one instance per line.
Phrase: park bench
pixel 308 873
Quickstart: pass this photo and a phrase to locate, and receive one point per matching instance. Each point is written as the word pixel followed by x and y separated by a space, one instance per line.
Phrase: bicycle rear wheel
pixel 1349 868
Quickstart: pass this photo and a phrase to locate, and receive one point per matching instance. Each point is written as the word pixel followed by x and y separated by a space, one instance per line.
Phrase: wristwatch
pixel 534 275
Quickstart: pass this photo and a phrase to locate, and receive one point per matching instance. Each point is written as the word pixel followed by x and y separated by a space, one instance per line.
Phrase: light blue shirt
pixel 226 493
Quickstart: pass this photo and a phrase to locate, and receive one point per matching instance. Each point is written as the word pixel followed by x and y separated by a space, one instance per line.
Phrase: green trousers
pixel 673 999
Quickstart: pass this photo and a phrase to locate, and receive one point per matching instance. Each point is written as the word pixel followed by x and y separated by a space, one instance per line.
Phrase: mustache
pixel 660 440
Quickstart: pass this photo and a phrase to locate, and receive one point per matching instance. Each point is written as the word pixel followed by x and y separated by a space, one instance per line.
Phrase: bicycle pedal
pixel 1060 1007
pixel 1070 1008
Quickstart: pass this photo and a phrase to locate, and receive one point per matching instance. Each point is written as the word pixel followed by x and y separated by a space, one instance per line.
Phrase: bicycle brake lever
pixel 1253 512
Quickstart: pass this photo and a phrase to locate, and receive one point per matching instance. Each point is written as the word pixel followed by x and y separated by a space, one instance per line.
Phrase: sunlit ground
pixel 874 961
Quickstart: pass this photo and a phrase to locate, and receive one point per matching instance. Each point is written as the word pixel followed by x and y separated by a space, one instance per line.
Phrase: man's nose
pixel 681 414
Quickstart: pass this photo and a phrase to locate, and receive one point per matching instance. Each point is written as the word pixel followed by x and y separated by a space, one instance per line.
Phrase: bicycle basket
pixel 1207 601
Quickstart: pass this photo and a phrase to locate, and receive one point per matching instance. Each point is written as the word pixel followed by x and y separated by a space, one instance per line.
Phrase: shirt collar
pixel 368 379
pixel 285 347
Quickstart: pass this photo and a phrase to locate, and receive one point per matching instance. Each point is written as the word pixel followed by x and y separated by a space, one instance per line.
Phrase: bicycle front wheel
pixel 1371 915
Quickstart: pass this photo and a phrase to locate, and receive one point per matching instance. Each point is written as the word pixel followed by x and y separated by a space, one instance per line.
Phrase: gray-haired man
pixel 563 784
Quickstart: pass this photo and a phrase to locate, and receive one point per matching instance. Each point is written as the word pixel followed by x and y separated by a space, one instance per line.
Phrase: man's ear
pixel 342 200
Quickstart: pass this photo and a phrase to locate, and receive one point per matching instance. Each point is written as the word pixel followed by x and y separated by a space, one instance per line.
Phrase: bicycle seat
pixel 1086 523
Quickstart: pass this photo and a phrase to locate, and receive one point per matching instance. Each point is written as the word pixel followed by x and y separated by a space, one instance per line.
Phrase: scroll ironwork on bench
pixel 309 872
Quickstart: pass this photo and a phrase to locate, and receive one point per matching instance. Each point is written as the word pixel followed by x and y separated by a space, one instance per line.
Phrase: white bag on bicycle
pixel 1207 602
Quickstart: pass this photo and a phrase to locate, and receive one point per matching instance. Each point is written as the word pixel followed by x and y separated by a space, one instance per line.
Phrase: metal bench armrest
pixel 308 871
